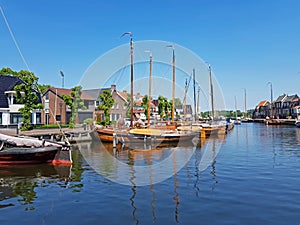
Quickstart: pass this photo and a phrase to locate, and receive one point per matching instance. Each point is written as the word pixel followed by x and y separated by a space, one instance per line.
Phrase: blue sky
pixel 247 43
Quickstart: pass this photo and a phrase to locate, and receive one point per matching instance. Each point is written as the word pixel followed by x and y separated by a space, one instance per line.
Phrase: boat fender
pixel 1 145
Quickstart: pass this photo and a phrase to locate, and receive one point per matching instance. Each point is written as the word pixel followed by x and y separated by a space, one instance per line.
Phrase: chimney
pixel 113 87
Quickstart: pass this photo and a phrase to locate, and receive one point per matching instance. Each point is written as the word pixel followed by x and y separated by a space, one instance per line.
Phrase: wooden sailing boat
pixel 156 135
pixel 168 133
pixel 110 134
pixel 208 129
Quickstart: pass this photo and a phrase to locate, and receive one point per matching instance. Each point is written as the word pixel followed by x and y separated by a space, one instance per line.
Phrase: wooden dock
pixel 73 135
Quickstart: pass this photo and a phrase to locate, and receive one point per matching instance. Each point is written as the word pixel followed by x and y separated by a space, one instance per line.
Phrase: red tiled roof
pixel 123 94
pixel 262 103
pixel 64 91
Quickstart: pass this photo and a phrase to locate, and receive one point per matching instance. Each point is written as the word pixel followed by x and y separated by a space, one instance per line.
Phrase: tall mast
pixel 184 100
pixel 173 82
pixel 131 77
pixel 149 94
pixel 198 101
pixel 173 87
pixel 245 102
pixel 131 80
pixel 194 93
pixel 211 94
pixel 235 107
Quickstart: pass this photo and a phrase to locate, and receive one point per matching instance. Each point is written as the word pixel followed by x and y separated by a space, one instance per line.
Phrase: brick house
pixel 9 108
pixel 117 110
pixel 56 111
pixel 286 106
pixel 120 104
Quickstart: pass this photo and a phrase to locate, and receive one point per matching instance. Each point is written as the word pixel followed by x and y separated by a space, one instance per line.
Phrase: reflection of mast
pixel 131 179
pixel 153 196
pixel 176 197
pixel 133 205
pixel 213 165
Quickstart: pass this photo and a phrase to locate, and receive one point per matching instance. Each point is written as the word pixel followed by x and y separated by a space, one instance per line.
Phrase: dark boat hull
pixel 21 156
pixel 27 155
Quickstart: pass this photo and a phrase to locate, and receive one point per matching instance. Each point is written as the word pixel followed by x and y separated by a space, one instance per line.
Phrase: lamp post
pixel 271 98
pixel 60 109
pixel 62 78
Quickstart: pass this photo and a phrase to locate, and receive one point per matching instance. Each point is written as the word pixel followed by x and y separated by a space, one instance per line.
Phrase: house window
pixel 117 106
pixel 38 118
pixel 47 96
pixel 86 104
pixel 15 118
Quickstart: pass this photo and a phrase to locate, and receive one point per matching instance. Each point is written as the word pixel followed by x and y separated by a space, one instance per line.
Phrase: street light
pixel 62 77
pixel 60 109
pixel 271 97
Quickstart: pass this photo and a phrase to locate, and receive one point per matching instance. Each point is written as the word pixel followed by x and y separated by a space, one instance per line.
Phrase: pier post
pixel 114 140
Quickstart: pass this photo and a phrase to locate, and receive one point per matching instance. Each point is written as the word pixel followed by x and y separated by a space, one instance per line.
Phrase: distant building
pixel 285 106
pixel 117 110
pixel 9 108
pixel 262 110
pixel 180 111
pixel 56 111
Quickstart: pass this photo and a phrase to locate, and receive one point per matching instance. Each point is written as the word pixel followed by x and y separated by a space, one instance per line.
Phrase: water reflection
pixel 21 182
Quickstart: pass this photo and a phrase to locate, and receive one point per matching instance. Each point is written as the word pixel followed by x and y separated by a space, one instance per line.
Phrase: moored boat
pixel 18 150
pixel 272 122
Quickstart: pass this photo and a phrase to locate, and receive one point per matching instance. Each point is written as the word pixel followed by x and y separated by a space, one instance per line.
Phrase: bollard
pixel 114 140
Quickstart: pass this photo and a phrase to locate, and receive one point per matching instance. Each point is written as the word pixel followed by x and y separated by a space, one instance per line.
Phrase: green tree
pixel 145 104
pixel 42 88
pixel 177 102
pixel 106 103
pixel 75 103
pixel 8 72
pixel 164 106
pixel 27 95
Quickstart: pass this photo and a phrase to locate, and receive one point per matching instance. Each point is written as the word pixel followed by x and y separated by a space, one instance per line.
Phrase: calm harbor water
pixel 254 179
